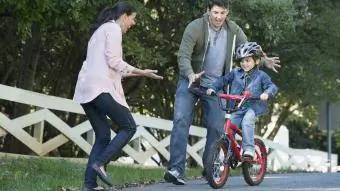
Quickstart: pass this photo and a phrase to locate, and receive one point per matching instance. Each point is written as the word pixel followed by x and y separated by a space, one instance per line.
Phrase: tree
pixel 308 76
pixel 43 44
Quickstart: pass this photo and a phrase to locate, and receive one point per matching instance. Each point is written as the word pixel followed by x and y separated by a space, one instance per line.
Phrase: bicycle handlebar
pixel 246 95
pixel 230 97
pixel 241 98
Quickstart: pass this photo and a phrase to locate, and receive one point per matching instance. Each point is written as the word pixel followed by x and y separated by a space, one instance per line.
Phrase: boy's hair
pixel 220 3
pixel 248 49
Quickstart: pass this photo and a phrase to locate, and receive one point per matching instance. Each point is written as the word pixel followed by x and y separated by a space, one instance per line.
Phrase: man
pixel 204 55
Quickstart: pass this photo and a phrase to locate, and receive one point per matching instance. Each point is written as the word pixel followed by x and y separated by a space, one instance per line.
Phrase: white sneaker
pixel 248 154
pixel 174 177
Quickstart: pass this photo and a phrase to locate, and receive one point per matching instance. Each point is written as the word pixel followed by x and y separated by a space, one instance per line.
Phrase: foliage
pixel 43 44
pixel 40 174
pixel 303 135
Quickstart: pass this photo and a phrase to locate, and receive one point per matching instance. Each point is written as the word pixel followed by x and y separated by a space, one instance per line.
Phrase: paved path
pixel 273 182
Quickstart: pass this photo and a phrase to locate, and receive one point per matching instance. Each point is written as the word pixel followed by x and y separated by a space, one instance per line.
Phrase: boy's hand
pixel 209 91
pixel 264 96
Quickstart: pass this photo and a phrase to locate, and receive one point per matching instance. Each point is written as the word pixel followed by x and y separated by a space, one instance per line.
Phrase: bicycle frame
pixel 218 168
pixel 231 129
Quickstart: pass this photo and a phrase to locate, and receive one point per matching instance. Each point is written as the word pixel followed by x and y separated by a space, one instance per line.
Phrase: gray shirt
pixel 215 57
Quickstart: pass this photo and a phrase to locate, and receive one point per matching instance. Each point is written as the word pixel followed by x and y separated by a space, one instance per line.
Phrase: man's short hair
pixel 220 3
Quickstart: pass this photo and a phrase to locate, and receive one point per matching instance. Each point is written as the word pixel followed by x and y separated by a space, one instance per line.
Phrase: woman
pixel 99 89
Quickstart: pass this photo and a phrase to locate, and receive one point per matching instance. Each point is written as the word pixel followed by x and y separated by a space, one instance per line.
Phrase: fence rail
pixel 279 157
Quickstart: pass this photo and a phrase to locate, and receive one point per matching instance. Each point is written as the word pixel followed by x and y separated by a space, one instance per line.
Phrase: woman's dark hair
pixel 219 3
pixel 112 13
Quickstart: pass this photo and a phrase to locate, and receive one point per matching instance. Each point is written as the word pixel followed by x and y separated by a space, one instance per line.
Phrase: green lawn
pixel 38 174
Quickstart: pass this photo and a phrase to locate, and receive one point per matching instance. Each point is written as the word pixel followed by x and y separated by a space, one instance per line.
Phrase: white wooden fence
pixel 280 157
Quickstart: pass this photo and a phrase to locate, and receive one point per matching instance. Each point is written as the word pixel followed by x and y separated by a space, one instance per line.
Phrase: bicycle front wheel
pixel 217 166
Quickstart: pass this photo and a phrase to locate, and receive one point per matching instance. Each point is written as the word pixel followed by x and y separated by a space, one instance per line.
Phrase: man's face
pixel 218 15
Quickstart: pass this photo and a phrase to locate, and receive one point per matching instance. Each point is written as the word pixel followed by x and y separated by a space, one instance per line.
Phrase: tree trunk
pixel 31 47
pixel 262 125
pixel 7 75
pixel 282 117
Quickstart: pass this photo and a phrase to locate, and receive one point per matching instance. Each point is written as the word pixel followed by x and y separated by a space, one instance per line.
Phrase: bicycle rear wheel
pixel 254 171
pixel 217 165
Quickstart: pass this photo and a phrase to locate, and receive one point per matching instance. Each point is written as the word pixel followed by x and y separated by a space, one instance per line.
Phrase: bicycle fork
pixel 234 149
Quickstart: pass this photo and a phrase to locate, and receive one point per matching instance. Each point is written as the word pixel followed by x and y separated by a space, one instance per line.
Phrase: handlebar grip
pixel 254 98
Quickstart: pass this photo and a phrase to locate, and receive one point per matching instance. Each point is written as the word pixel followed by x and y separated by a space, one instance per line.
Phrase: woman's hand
pixel 151 74
pixel 147 73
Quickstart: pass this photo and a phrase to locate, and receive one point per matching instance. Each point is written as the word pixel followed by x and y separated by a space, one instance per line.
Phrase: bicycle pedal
pixel 248 159
pixel 239 164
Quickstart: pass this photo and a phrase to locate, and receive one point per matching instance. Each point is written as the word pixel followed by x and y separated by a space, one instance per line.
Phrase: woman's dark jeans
pixel 104 149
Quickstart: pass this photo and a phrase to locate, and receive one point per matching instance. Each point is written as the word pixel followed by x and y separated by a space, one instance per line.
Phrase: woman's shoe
pixel 102 174
pixel 112 189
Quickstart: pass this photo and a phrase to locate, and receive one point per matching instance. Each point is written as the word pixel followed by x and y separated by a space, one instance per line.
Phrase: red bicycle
pixel 225 153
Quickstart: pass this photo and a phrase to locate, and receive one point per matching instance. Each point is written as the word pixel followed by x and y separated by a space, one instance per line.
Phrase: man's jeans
pixel 246 119
pixel 213 120
pixel 103 150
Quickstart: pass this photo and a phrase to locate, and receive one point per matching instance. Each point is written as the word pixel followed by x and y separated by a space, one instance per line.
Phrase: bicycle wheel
pixel 254 171
pixel 217 165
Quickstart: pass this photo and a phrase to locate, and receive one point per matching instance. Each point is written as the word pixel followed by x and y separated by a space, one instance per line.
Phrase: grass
pixel 39 174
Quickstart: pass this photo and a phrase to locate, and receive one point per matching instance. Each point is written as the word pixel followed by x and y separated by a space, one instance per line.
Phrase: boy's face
pixel 218 15
pixel 248 63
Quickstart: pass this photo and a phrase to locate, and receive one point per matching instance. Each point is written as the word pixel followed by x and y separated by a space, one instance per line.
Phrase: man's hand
pixel 194 77
pixel 272 62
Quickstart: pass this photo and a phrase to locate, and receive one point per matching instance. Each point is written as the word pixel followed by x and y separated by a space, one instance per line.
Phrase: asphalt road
pixel 272 182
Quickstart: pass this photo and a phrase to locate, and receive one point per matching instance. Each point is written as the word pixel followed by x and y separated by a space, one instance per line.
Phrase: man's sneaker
pixel 204 173
pixel 173 176
pixel 248 154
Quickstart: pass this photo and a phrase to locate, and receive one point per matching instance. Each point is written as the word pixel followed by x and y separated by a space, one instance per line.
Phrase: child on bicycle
pixel 250 78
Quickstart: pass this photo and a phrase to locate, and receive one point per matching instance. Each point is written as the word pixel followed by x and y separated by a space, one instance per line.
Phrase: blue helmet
pixel 248 49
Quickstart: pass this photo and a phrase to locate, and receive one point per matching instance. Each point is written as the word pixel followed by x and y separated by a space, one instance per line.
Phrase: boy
pixel 257 82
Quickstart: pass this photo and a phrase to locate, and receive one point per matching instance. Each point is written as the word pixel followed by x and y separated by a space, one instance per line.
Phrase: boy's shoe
pixel 173 176
pixel 248 154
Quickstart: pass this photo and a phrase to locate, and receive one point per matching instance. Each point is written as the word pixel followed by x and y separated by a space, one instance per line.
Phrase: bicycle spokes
pixel 217 166
pixel 254 170
pixel 256 165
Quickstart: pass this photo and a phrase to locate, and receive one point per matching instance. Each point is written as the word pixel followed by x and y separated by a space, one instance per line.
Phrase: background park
pixel 43 44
